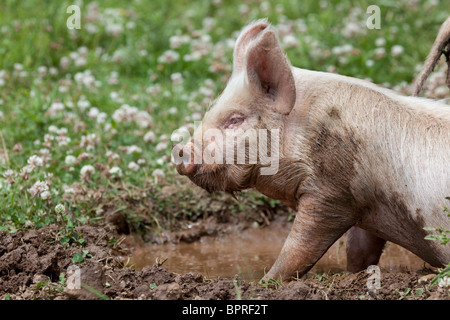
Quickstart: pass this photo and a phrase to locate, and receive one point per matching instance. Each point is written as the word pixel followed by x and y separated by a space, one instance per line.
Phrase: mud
pixel 248 253
pixel 34 264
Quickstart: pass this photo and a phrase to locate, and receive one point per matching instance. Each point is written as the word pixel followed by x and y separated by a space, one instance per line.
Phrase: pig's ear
pixel 247 35
pixel 269 72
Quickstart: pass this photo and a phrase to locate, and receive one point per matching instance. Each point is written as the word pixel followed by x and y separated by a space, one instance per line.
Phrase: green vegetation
pixel 86 115
pixel 443 277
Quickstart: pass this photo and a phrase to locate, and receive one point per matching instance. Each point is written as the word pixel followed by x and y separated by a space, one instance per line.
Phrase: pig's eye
pixel 234 121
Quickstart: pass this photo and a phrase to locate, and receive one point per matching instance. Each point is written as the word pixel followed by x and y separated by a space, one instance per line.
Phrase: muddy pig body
pixel 345 154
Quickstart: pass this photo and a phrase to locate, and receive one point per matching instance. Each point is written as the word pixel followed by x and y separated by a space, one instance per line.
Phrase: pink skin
pixel 302 248
pixel 323 166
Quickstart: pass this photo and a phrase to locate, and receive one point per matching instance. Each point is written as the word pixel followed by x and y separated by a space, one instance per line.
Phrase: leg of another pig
pixel 316 227
pixel 363 249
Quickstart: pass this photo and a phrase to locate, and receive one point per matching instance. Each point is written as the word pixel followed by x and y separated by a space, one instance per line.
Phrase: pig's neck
pixel 285 184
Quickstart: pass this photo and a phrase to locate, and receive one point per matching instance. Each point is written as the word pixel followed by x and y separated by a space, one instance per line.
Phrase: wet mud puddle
pixel 250 253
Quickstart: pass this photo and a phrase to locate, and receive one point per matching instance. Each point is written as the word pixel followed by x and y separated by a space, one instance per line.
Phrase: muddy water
pixel 249 253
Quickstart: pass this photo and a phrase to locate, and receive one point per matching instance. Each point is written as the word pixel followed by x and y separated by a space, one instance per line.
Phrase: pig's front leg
pixel 316 227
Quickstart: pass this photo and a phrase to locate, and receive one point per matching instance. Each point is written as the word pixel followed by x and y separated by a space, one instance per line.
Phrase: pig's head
pixel 246 121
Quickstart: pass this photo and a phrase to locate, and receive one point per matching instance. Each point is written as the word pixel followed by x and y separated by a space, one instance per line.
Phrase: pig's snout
pixel 184 161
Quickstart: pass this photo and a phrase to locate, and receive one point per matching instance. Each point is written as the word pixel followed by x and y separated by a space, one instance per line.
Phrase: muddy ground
pixel 38 264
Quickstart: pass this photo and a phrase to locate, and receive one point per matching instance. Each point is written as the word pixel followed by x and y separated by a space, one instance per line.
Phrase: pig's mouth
pixel 210 180
pixel 216 177
pixel 229 178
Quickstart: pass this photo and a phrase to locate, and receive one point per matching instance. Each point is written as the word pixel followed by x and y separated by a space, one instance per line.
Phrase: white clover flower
pixel 85 78
pixel 290 41
pixel 444 282
pixel 101 117
pixel 45 195
pixel 177 41
pixel 55 108
pixel 133 149
pixel 161 146
pixel 86 171
pixel 42 70
pixel 93 112
pixel 83 50
pixel 91 28
pixel 351 29
pixel 208 23
pixel 133 166
pixel 158 174
pixel 116 171
pixel 154 89
pixel 114 29
pixel 83 104
pixel 108 127
pixel 173 110
pixel 116 97
pixel 90 141
pixel 112 155
pixel 196 116
pixel 169 56
pixel 61 131
pixel 207 92
pixel 380 42
pixel 113 78
pixel 379 53
pixel 370 63
pixel 176 78
pixel 60 209
pixel 18 66
pixel 27 169
pixel 69 191
pixel 45 152
pixel 40 188
pixel 53 71
pixel 8 174
pixel 125 113
pixel 64 62
pixel 149 137
pixel 70 160
pixel 119 115
pixel 243 9
pixel 53 129
pixel 63 140
pixel 34 160
pixel 143 119
pixel 161 161
pixel 397 50
pixel 1 115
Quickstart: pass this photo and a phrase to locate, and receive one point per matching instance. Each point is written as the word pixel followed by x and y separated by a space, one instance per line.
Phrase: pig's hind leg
pixel 363 249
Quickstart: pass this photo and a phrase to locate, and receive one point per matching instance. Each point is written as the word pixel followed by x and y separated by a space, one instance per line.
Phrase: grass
pixel 97 106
